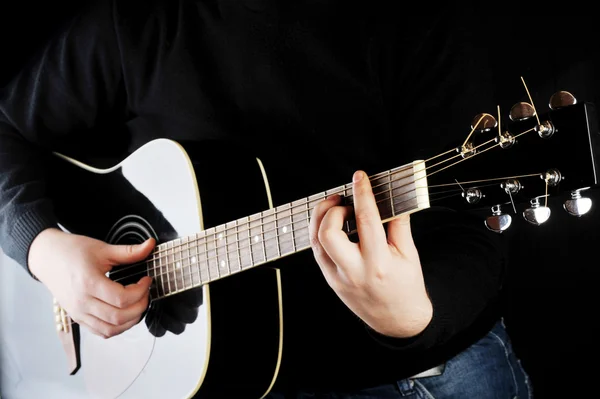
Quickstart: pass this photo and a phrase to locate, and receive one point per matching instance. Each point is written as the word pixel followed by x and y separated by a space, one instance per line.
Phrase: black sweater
pixel 317 90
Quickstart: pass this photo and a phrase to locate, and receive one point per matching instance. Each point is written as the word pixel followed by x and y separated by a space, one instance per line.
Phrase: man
pixel 412 307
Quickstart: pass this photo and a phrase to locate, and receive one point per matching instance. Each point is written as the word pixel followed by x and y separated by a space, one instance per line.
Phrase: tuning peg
pixel 537 214
pixel 578 205
pixel 498 222
pixel 484 122
pixel 521 111
pixel 511 186
pixel 561 99
pixel 472 195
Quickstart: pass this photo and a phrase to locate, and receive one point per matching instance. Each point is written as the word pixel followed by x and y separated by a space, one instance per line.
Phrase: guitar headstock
pixel 510 165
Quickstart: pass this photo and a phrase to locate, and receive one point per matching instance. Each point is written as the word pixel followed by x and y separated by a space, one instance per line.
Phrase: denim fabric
pixel 488 369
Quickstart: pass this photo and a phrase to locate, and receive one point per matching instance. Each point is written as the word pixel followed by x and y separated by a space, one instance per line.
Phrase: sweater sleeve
pixel 71 84
pixel 464 266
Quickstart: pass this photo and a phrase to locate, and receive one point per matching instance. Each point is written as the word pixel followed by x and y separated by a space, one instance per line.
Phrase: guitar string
pixel 307 207
pixel 213 238
pixel 345 187
pixel 267 243
pixel 184 277
pixel 377 176
pixel 266 231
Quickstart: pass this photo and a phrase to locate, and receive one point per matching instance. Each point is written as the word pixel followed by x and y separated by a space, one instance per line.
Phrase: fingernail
pixel 358 175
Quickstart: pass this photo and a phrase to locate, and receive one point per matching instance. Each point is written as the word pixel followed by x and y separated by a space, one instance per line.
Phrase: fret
pixel 258 249
pixel 197 262
pixel 232 245
pixel 383 195
pixel 269 233
pixel 300 220
pixel 166 288
pixel 233 252
pixel 222 258
pixel 156 278
pixel 285 229
pixel 205 261
pixel 167 263
pixel 193 260
pixel 211 254
pixel 245 242
pixel 403 189
pixel 181 265
pixel 175 265
pixel 186 264
pixel 189 272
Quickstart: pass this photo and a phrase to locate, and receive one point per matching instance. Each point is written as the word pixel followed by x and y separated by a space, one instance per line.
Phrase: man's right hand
pixel 74 267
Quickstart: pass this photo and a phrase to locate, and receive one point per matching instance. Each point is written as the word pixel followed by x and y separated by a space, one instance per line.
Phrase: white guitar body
pixel 135 364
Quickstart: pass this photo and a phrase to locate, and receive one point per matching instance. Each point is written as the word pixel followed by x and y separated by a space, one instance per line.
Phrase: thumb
pixel 400 236
pixel 131 253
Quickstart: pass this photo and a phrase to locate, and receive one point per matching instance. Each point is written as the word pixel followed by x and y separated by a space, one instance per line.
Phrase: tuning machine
pixel 466 150
pixel 578 205
pixel 498 222
pixel 483 123
pixel 505 140
pixel 511 186
pixel 521 111
pixel 561 99
pixel 472 195
pixel 558 100
pixel 537 213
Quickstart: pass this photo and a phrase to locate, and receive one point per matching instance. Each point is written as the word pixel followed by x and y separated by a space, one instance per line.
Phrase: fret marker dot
pixel 256 238
pixel 284 229
pixel 222 263
pixel 193 259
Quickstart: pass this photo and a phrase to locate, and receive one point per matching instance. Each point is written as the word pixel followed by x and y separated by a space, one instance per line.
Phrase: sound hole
pixel 130 230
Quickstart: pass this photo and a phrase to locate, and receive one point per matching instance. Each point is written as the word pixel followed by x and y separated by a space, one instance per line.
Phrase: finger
pixel 334 240
pixel 128 254
pixel 370 229
pixel 323 260
pixel 116 316
pixel 316 218
pixel 121 296
pixel 400 236
pixel 104 329
pixel 90 329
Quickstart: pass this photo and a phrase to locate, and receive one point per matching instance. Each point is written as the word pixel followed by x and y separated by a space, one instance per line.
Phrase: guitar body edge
pixel 233 347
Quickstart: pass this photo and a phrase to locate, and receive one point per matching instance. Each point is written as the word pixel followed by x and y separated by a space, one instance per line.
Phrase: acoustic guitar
pixel 225 274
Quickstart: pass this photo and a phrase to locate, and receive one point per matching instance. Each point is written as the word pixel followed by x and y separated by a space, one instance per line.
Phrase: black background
pixel 552 301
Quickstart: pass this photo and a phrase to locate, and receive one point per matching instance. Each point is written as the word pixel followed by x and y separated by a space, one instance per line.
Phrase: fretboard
pixel 223 250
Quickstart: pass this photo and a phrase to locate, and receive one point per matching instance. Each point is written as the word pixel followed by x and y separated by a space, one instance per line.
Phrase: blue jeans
pixel 487 369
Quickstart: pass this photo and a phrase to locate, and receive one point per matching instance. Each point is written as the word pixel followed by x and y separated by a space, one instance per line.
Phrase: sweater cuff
pixel 25 230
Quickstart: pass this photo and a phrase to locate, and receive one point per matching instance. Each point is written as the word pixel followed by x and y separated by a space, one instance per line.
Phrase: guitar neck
pixel 220 251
